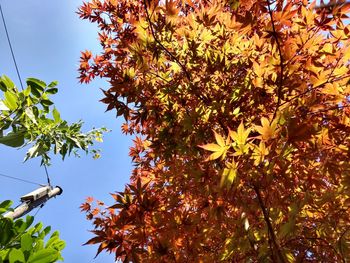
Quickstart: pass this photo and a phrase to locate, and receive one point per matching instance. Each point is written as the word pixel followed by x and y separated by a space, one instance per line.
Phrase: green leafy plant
pixel 19 242
pixel 28 117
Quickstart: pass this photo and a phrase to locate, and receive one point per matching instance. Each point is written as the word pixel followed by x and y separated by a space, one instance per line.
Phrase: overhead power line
pixel 9 41
pixel 18 74
pixel 19 179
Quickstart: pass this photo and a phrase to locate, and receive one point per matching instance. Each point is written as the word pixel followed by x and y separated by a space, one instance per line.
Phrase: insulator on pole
pixel 33 200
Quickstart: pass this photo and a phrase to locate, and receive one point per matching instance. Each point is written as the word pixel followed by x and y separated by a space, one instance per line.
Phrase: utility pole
pixel 34 199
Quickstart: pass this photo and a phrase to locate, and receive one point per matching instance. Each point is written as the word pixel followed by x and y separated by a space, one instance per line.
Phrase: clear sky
pixel 47 37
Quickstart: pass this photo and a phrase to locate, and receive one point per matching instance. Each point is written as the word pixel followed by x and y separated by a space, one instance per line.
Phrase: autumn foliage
pixel 240 111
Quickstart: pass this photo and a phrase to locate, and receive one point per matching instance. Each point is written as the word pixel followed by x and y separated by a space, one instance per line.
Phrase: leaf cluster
pixel 20 242
pixel 27 118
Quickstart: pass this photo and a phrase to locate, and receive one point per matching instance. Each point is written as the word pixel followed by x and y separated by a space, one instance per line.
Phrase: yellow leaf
pixel 211 147
pixel 241 136
pixel 290 257
pixel 219 149
pixel 318 81
pixel 96 156
pixel 206 36
pixel 259 153
pixel 99 139
pixel 331 89
pixel 236 111
pixel 219 139
pixel 140 30
pixel 327 48
pixel 174 66
pixel 229 174
pixel 266 130
pixel 216 155
pixel 340 71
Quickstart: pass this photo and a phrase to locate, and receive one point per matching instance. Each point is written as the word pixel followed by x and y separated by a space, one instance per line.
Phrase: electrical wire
pixel 47 175
pixel 19 179
pixel 18 74
pixel 12 52
pixel 37 211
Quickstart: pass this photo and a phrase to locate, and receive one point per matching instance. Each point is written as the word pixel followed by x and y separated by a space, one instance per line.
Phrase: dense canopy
pixel 241 115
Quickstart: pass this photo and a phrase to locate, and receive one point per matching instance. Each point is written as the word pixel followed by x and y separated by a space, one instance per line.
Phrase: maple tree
pixel 240 111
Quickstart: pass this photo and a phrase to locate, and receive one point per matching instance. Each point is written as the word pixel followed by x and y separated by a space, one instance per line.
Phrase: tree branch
pixel 162 46
pixel 280 82
pixel 272 236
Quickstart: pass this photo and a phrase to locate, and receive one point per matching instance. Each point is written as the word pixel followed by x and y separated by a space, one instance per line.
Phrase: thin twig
pixel 280 84
pixel 336 107
pixel 329 80
pixel 331 5
pixel 162 46
pixel 339 241
pixel 313 239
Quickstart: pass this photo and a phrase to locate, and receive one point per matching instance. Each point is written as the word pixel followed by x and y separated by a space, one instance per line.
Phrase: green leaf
pixel 36 83
pixel 45 255
pixel 55 242
pixel 35 92
pixel 37 86
pixel 51 241
pixel 30 114
pixel 52 91
pixel 32 152
pixel 16 256
pixel 13 139
pixel 10 100
pixel 6 233
pixel 56 115
pixel 6 83
pixel 59 245
pixel 26 92
pixel 38 227
pixel 5 205
pixel 29 220
pixel 47 230
pixel 39 245
pixel 26 242
pixel 46 102
pixel 20 226
pixel 53 84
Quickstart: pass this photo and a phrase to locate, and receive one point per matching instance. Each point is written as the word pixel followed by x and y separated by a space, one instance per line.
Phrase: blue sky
pixel 47 37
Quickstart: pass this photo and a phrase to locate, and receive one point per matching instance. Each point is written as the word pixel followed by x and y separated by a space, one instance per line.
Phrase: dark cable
pixel 19 179
pixel 9 41
pixel 47 175
pixel 37 211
